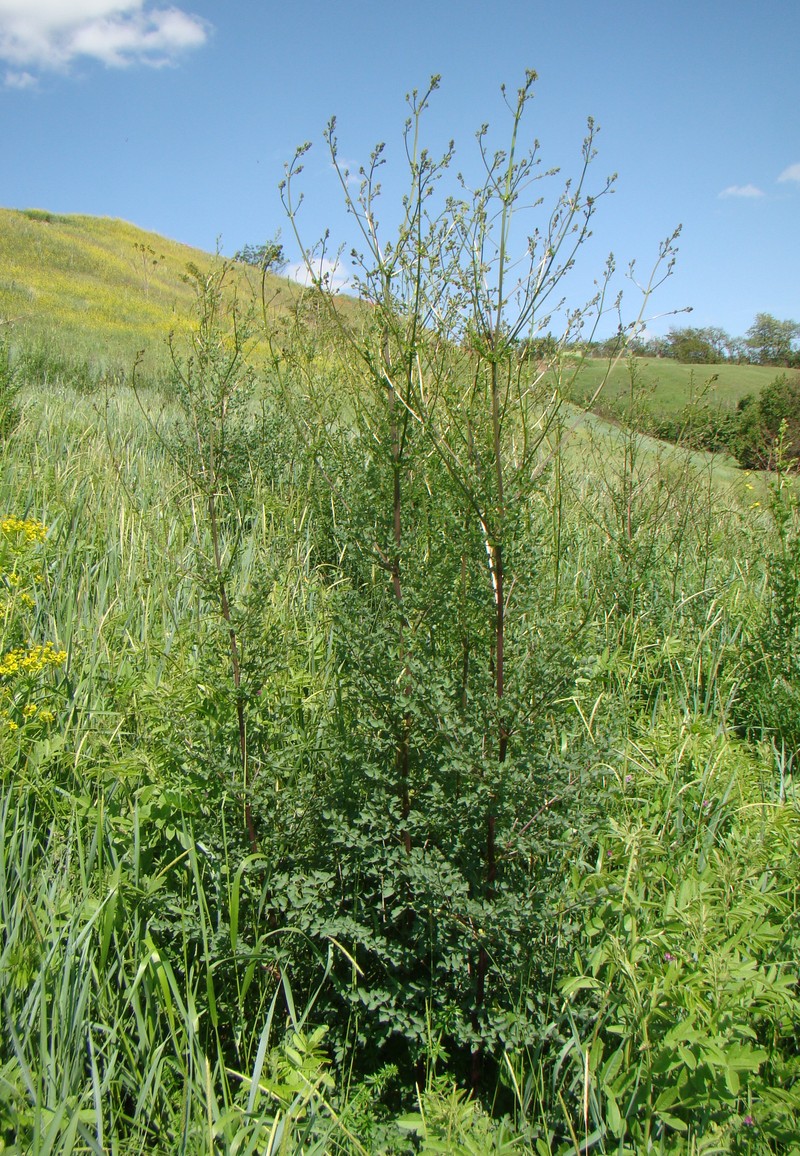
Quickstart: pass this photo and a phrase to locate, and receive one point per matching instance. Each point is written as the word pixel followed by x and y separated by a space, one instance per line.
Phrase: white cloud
pixel 20 80
pixel 49 34
pixel 790 174
pixel 742 191
pixel 328 271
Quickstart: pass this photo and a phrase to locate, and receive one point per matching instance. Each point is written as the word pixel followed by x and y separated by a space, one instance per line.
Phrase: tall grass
pixel 157 995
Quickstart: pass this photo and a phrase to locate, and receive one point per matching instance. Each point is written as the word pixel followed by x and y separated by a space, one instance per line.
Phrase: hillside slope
pixel 667 386
pixel 97 289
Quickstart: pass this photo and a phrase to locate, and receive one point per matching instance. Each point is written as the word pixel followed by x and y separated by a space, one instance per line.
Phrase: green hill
pixel 94 289
pixel 669 385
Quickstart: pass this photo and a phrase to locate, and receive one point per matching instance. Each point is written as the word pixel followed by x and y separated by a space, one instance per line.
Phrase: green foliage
pixel 449 1121
pixel 691 930
pixel 437 441
pixel 268 257
pixel 753 433
pixel 769 702
pixel 43 215
pixel 772 341
pixel 750 433
pixel 696 346
pixel 46 365
pixel 9 388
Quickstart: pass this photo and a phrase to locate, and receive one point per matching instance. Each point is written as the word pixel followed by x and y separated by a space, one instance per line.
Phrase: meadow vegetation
pixel 669 386
pixel 82 297
pixel 394 758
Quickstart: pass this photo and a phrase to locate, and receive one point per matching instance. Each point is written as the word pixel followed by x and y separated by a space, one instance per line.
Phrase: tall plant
pixel 9 389
pixel 212 383
pixel 453 402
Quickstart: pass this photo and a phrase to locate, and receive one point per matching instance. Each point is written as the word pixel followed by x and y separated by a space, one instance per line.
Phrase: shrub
pixel 750 432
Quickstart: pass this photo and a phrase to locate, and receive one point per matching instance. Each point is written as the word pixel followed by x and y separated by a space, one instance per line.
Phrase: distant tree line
pixel 768 341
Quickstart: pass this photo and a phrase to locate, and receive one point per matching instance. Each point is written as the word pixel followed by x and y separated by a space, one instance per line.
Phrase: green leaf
pixel 613 1117
pixel 741 1058
pixel 580 983
pixel 732 1080
pixel 672 1121
pixel 412 1122
pixel 109 916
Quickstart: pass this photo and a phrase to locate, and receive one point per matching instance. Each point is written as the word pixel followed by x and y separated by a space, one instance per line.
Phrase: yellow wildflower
pixel 32 530
pixel 32 660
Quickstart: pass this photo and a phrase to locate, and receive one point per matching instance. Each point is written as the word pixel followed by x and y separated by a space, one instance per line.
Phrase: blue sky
pixel 179 117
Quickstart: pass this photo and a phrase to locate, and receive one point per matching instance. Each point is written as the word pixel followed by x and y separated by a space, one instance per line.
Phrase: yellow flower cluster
pixel 29 712
pixel 29 528
pixel 19 668
pixel 21 598
pixel 31 660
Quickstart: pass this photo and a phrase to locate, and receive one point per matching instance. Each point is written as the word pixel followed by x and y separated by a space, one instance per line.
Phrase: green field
pixel 666 386
pixel 394 759
pixel 101 290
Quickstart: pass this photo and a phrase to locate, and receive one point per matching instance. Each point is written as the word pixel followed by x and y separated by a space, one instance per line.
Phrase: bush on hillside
pixel 750 433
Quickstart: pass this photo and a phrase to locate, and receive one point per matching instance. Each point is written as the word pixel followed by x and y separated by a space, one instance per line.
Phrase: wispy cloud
pixel 328 271
pixel 42 35
pixel 746 191
pixel 20 80
pixel 792 173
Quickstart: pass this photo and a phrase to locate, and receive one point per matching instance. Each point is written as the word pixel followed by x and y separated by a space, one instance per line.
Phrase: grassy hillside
pixel 96 289
pixel 99 290
pixel 669 385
